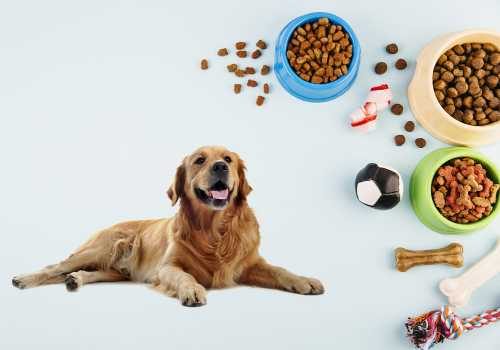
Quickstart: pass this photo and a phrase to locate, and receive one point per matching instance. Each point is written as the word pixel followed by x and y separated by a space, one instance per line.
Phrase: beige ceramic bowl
pixel 427 109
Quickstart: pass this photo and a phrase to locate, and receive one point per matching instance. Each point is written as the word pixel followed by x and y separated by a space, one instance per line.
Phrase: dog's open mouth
pixel 217 195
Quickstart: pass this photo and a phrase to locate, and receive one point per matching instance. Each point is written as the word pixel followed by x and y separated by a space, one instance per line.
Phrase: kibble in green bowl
pixel 442 213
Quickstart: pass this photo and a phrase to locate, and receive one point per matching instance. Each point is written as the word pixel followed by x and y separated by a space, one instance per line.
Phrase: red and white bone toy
pixel 459 289
pixel 364 118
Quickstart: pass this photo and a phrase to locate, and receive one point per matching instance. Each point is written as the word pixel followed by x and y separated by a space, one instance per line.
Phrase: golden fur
pixel 199 248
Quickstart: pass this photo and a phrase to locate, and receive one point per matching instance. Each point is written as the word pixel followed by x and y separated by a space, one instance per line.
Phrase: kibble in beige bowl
pixel 429 106
pixel 466 83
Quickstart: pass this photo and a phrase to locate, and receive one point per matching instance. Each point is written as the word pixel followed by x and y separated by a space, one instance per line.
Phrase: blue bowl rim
pixel 281 48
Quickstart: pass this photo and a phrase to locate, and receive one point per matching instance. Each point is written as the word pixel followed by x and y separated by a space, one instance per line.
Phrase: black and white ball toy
pixel 379 187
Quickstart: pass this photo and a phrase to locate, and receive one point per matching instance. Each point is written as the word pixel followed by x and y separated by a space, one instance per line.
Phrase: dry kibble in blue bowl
pixel 317 57
pixel 320 52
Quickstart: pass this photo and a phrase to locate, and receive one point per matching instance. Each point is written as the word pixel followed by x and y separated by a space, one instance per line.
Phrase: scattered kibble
pixel 261 44
pixel 409 126
pixel 420 142
pixel 256 54
pixel 251 83
pixel 399 140
pixel 401 64
pixel 266 88
pixel 391 48
pixel 397 109
pixel 381 68
pixel 223 52
pixel 320 52
pixel 242 72
pixel 241 54
pixel 240 45
pixel 265 70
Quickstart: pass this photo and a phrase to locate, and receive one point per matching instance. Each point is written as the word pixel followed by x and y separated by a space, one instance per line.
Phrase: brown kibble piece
pixel 256 54
pixel 397 109
pixel 260 100
pixel 232 67
pixel 237 88
pixel 305 77
pixel 451 255
pixel 420 142
pixel 409 126
pixel 495 58
pixel 265 70
pixel 261 44
pixel 439 85
pixel 440 180
pixel 240 45
pixel 447 76
pixel 481 202
pixel 401 64
pixel 463 196
pixel 316 79
pixel 391 49
pixel 250 70
pixel 222 52
pixel 439 199
pixel 323 21
pixel 493 195
pixel 266 88
pixel 477 63
pixel 241 54
pixel 399 140
pixel 461 87
pixel 239 73
pixel 251 83
pixel 204 64
pixel 439 95
pixel 381 68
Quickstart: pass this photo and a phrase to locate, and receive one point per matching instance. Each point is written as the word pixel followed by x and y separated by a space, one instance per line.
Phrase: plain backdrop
pixel 100 101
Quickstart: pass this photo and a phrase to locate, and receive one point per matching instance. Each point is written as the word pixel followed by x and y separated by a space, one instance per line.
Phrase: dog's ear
pixel 244 188
pixel 176 190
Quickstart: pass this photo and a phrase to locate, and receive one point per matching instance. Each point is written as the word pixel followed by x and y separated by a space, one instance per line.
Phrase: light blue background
pixel 99 102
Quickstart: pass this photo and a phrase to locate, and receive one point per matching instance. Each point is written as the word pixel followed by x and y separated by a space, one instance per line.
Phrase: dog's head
pixel 211 176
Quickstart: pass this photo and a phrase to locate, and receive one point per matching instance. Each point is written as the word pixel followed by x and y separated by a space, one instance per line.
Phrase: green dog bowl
pixel 420 190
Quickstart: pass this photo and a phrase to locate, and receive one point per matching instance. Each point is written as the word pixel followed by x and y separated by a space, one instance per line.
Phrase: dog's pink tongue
pixel 220 194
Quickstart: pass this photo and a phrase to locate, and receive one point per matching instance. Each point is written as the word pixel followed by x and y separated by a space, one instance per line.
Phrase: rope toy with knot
pixel 434 327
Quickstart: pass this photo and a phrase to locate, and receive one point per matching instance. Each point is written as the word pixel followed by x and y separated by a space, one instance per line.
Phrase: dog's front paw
pixel 305 285
pixel 193 295
pixel 72 282
pixel 18 282
pixel 25 281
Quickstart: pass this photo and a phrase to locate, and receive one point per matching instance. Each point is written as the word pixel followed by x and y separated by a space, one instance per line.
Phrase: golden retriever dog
pixel 211 242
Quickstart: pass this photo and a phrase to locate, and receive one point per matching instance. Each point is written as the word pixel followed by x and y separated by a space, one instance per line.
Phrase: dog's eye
pixel 227 159
pixel 199 160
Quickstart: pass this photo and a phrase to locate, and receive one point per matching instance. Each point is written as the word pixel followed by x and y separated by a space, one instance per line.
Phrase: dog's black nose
pixel 220 167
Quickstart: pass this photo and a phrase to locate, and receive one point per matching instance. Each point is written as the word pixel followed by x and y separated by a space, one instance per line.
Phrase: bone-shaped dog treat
pixel 459 289
pixel 451 255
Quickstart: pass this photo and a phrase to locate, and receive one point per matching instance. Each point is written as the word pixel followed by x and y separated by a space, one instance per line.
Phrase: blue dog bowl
pixel 305 90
